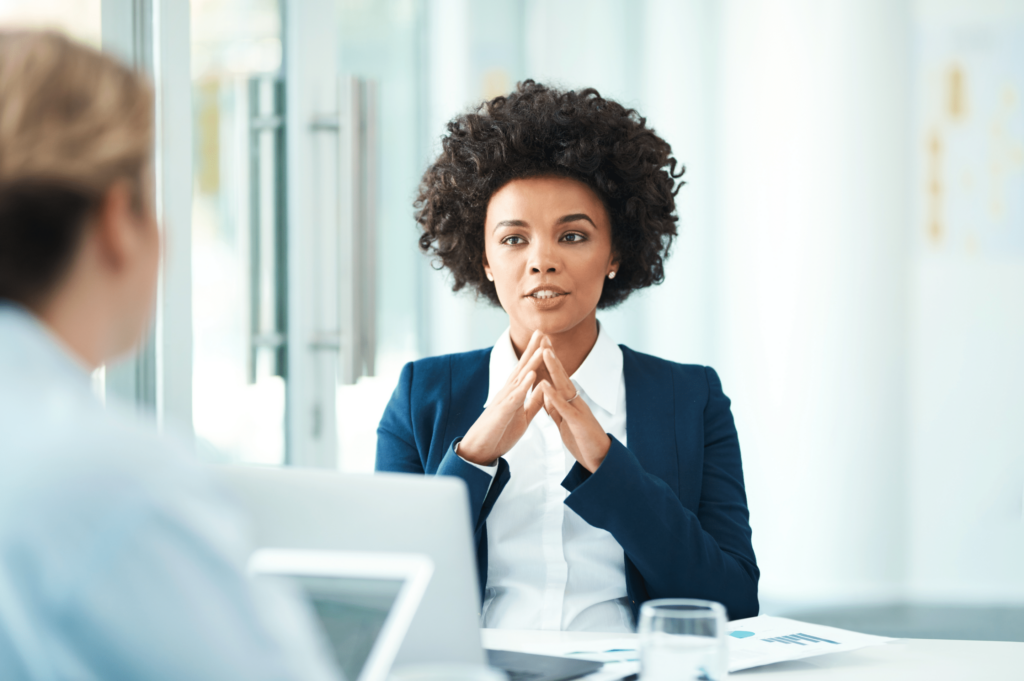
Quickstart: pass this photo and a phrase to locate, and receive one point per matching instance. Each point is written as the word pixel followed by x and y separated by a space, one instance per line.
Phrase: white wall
pixel 679 97
pixel 966 447
pixel 811 287
pixel 966 467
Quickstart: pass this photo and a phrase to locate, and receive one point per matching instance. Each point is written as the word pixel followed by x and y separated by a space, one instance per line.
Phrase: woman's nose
pixel 543 258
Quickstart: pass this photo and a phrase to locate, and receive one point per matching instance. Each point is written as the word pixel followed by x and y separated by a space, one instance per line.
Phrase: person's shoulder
pixel 443 367
pixel 684 376
pixel 436 379
pixel 116 450
pixel 453 359
pixel 75 476
pixel 60 435
pixel 654 363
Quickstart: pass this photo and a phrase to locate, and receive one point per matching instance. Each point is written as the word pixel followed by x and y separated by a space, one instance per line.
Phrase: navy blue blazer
pixel 674 499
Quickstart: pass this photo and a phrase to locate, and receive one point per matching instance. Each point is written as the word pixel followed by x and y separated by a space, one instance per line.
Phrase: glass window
pixel 238 263
pixel 382 42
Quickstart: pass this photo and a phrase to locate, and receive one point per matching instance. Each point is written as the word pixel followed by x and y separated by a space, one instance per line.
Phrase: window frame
pixel 153 36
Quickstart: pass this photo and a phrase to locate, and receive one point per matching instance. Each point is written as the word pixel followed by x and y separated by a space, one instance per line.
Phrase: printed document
pixel 753 642
pixel 762 640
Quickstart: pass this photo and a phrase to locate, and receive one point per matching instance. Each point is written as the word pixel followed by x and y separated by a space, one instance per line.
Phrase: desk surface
pixel 906 659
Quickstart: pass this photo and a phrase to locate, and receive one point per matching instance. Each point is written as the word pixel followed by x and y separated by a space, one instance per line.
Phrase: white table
pixel 903 660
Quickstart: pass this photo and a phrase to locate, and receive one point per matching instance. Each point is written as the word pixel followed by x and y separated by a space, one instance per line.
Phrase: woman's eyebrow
pixel 574 217
pixel 509 223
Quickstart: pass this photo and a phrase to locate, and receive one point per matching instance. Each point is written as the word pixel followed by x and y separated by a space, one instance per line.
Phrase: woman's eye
pixel 573 238
pixel 513 240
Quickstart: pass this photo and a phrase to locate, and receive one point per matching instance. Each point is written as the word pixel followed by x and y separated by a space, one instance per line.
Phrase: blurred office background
pixel 851 252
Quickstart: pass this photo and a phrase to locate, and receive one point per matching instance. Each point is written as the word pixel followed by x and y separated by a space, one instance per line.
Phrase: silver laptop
pixel 364 602
pixel 292 508
pixel 391 512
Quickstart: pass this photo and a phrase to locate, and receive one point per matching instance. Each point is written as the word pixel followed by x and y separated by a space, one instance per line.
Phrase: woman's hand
pixel 502 424
pixel 582 435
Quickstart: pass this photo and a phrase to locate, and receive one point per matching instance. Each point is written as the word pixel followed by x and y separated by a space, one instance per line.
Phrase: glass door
pixel 239 244
pixel 279 147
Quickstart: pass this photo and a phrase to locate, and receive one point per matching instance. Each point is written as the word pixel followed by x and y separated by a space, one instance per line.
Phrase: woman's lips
pixel 546 299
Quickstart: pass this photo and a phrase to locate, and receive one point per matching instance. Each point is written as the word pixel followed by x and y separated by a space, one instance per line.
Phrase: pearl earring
pixel 611 275
pixel 489 277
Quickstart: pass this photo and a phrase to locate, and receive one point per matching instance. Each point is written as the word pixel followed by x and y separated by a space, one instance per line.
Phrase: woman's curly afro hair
pixel 541 131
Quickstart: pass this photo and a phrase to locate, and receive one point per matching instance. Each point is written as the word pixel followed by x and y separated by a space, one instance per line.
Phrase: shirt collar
pixel 25 339
pixel 599 377
pixel 503 361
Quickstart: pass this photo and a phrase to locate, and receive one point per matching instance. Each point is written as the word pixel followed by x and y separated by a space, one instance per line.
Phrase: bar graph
pixel 799 639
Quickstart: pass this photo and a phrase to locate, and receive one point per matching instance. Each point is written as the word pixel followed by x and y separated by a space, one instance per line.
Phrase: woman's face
pixel 548 247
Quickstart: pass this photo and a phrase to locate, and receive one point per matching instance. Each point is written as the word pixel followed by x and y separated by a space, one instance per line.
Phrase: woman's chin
pixel 552 321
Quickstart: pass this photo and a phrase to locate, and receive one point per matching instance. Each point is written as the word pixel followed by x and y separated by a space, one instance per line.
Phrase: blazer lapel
pixel 650 416
pixel 470 380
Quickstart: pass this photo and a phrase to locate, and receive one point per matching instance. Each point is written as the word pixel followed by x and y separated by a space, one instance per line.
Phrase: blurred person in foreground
pixel 118 559
pixel 555 204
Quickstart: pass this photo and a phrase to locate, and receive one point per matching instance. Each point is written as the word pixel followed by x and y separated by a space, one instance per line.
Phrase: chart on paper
pixel 758 641
pixel 799 639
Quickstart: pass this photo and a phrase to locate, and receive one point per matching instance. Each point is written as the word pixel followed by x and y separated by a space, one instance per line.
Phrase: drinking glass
pixel 682 639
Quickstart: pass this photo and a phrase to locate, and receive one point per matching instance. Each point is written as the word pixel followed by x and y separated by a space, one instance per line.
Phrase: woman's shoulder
pixel 652 362
pixel 442 370
pixel 441 363
pixel 684 376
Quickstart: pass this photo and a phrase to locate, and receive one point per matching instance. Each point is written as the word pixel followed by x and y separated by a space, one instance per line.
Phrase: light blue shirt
pixel 118 558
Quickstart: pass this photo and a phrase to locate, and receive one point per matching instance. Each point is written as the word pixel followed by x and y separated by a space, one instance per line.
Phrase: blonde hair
pixel 70 114
pixel 73 121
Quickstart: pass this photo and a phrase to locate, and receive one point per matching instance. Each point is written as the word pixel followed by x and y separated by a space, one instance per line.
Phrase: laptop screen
pixel 352 612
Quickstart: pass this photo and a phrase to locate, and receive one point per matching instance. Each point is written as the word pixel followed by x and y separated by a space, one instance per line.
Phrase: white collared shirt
pixel 547 568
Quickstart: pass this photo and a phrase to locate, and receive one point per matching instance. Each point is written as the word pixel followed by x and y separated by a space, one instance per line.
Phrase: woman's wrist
pixel 594 461
pixel 467 453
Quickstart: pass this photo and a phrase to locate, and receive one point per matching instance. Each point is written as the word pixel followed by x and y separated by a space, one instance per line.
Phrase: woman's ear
pixel 613 266
pixel 115 225
pixel 487 270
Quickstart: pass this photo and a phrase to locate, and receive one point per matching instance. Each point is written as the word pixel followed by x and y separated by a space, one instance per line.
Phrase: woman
pixel 118 559
pixel 553 205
